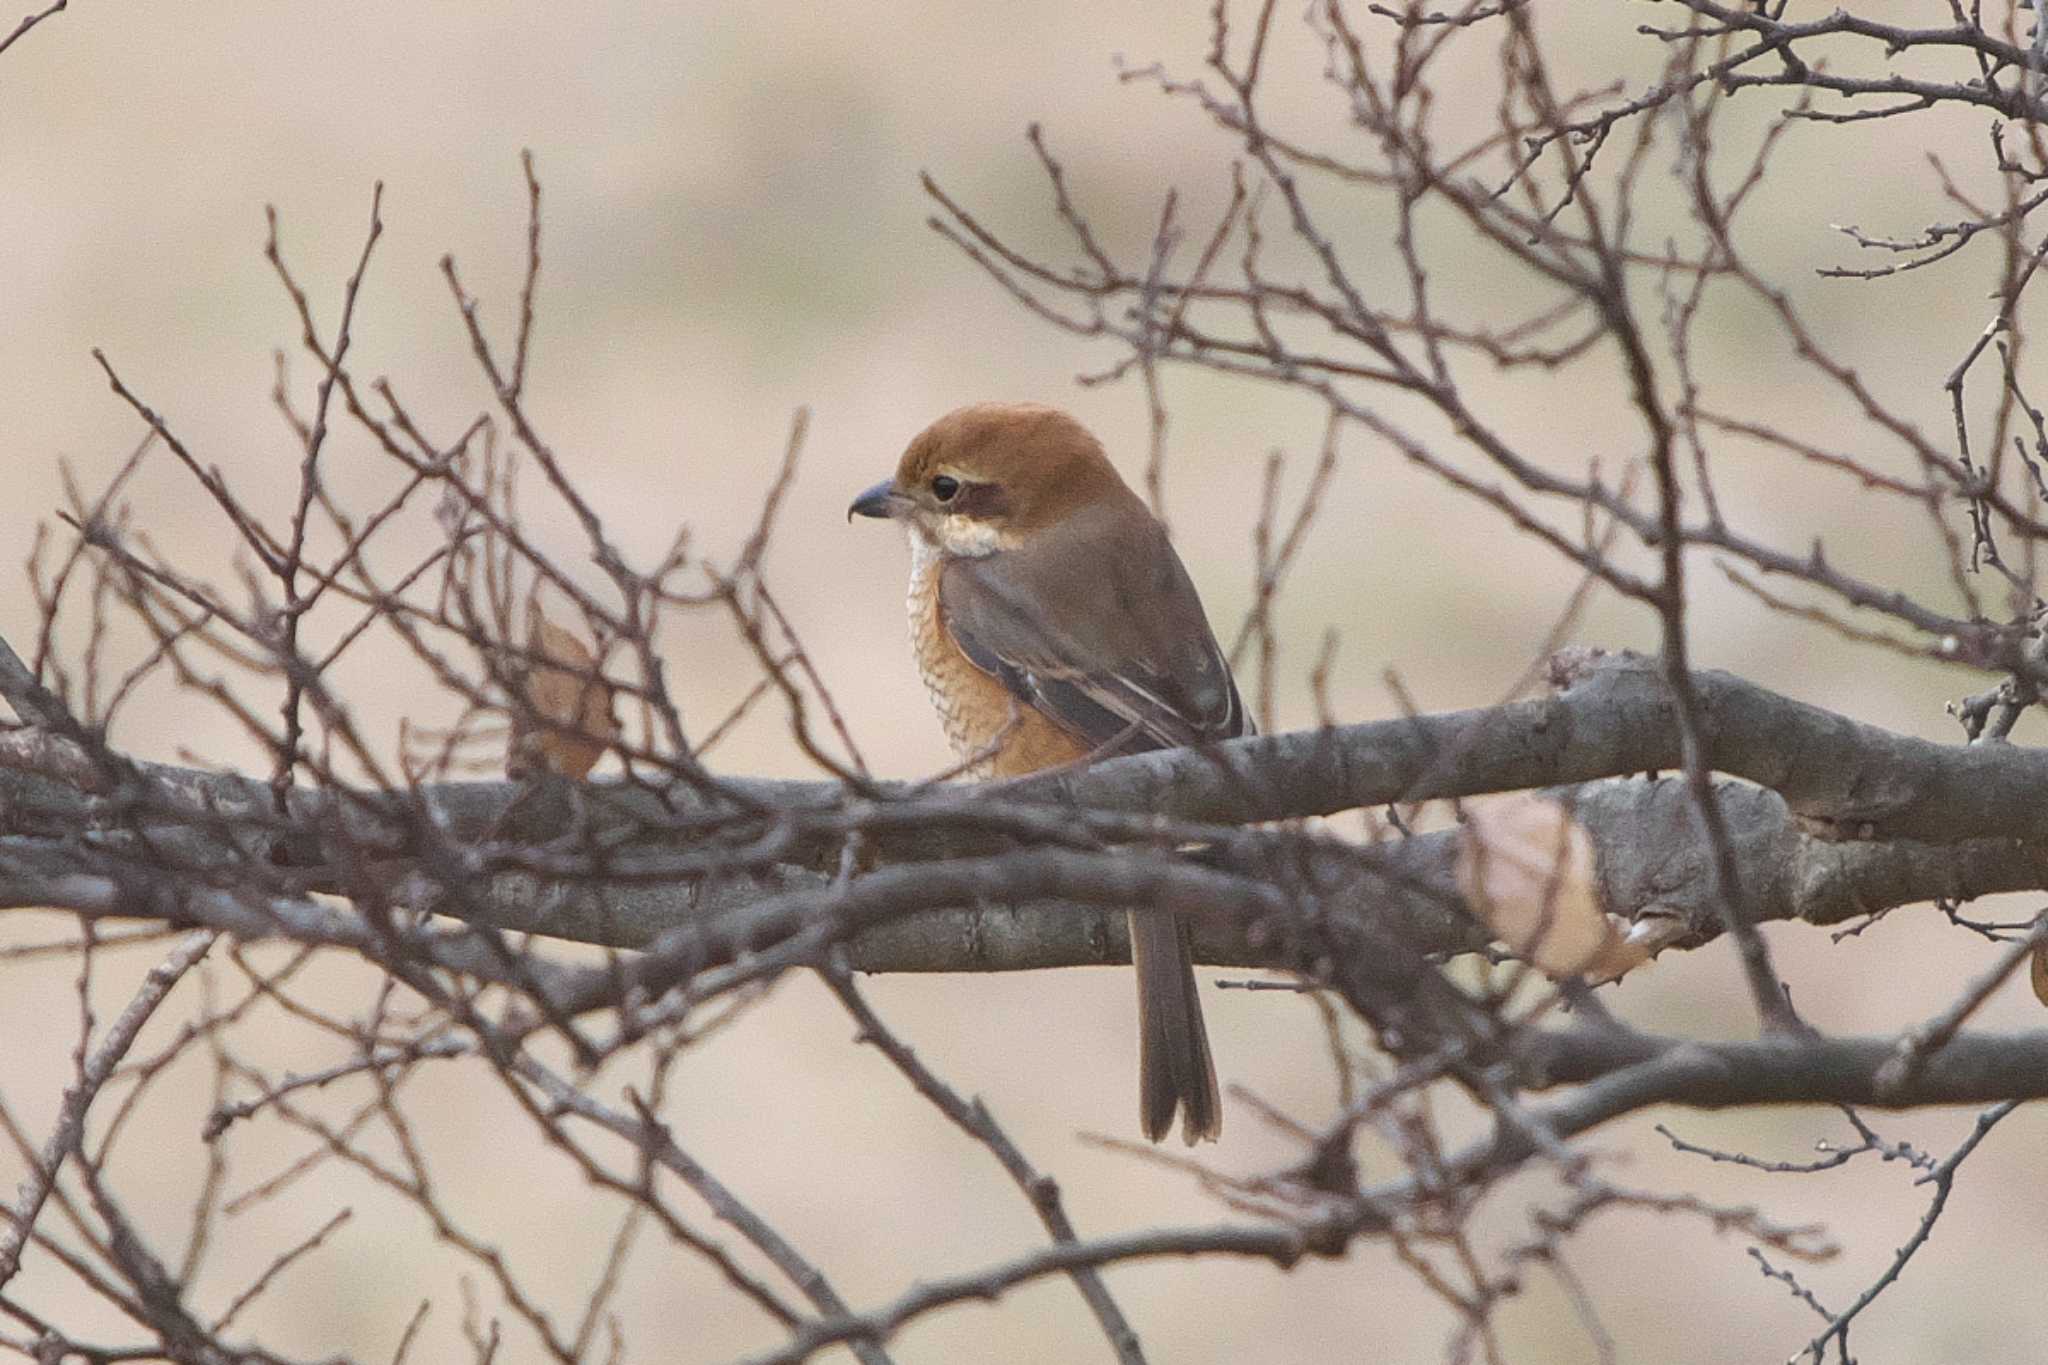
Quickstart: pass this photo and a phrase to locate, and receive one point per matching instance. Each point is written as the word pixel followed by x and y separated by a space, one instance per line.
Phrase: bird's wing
pixel 1095 624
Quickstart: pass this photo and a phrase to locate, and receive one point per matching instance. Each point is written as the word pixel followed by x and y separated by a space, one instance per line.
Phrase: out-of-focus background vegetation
pixel 734 227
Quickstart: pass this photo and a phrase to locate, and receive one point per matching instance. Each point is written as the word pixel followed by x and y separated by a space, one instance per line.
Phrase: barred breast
pixel 981 719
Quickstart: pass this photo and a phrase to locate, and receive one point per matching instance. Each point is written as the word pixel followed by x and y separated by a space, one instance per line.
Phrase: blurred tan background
pixel 734 228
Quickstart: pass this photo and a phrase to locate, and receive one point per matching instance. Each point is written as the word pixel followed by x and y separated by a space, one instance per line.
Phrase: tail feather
pixel 1175 1071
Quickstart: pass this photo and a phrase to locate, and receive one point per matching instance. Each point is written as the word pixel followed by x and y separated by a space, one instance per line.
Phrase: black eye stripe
pixel 984 500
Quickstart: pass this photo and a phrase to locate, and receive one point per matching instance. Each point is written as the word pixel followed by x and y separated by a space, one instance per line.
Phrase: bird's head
pixel 981 478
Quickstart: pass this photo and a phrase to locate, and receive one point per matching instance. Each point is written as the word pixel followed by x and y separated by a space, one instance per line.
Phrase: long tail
pixel 1175 1070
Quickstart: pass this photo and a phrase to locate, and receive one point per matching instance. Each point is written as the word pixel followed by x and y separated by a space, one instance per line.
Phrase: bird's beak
pixel 880 501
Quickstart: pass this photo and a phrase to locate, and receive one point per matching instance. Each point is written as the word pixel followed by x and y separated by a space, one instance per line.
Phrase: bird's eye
pixel 944 487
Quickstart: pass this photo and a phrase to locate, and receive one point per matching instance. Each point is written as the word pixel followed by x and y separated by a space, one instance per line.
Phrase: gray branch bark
pixel 1844 819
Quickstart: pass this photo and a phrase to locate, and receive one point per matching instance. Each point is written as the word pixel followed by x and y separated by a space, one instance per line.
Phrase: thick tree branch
pixel 1850 819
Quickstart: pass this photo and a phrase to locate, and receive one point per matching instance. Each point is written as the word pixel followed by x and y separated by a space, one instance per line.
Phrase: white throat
pixel 956 536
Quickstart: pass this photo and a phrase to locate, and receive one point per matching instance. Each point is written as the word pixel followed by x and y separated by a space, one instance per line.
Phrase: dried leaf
pixel 1526 868
pixel 567 721
pixel 2037 972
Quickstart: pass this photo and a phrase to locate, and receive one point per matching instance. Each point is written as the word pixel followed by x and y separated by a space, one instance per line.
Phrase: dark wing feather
pixel 1096 625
